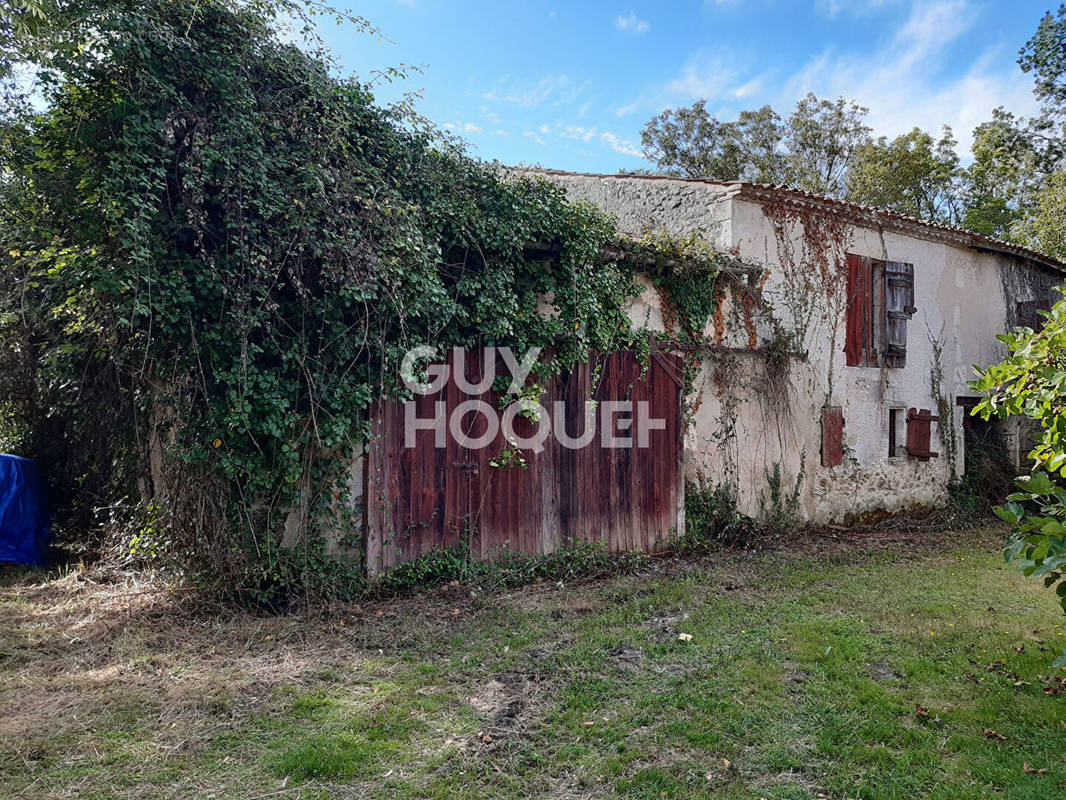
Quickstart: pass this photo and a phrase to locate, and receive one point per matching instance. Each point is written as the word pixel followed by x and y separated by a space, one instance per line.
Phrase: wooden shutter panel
pixel 832 436
pixel 899 307
pixel 858 336
pixel 919 428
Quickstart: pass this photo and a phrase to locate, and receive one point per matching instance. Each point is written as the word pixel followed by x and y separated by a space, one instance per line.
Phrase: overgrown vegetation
pixel 945 406
pixel 688 274
pixel 779 502
pixel 987 480
pixel 507 568
pixel 214 252
pixel 712 517
pixel 1031 382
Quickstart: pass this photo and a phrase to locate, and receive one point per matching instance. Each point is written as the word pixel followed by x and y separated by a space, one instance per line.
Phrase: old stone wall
pixel 747 420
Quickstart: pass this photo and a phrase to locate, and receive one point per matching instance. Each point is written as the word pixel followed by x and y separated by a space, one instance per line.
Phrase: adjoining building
pixel 824 381
pixel 883 316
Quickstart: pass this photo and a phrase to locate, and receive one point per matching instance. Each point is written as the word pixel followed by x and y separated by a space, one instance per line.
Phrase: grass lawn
pixel 868 668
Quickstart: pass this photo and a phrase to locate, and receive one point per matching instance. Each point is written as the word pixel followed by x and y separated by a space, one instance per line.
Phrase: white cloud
pixel 631 24
pixel 902 81
pixel 551 89
pixel 708 75
pixel 619 145
pixel 704 75
pixel 832 8
pixel 578 132
pixel 754 86
pixel 462 127
pixel 532 135
pixel 587 135
pixel 897 81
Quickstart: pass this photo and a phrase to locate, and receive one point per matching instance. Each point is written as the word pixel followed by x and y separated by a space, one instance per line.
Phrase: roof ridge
pixel 975 240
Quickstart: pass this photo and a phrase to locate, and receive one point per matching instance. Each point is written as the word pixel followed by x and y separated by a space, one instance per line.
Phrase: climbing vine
pixel 222 248
pixel 945 405
pixel 812 254
pixel 688 274
pixel 215 252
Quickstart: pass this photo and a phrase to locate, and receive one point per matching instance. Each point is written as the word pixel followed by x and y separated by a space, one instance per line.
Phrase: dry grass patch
pixel 799 672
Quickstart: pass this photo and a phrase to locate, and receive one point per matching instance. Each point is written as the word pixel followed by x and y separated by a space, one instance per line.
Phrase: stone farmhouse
pixel 885 317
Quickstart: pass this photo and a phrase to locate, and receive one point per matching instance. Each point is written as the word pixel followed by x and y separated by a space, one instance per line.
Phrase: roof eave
pixel 861 216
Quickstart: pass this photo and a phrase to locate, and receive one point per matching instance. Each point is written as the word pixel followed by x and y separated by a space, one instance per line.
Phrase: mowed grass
pixel 840 673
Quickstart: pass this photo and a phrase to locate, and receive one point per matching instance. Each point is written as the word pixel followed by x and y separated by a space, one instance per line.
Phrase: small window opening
pixel 897 432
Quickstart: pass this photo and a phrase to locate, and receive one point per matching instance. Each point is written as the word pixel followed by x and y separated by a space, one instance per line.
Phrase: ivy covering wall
pixel 215 252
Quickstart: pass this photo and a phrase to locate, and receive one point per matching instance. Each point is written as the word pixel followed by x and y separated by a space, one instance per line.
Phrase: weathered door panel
pixel 427 497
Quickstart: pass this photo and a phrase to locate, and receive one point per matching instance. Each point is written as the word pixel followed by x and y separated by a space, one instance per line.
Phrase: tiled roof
pixel 863 216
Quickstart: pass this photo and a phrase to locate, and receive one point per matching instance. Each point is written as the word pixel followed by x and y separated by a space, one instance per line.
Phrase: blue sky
pixel 569 85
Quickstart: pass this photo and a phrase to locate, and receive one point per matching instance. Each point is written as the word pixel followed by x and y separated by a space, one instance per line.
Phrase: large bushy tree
pixel 1011 161
pixel 692 143
pixel 811 150
pixel 912 174
pixel 214 251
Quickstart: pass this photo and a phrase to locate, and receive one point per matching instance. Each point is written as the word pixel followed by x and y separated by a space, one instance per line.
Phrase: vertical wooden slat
pixel 425 497
pixel 858 337
pixel 919 434
pixel 899 307
pixel 373 514
pixel 832 436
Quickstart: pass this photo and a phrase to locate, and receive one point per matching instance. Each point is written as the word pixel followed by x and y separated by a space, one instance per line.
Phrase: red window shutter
pixel 919 428
pixel 899 307
pixel 832 436
pixel 858 334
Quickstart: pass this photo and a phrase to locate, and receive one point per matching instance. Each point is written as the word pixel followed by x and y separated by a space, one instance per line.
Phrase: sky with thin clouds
pixel 569 85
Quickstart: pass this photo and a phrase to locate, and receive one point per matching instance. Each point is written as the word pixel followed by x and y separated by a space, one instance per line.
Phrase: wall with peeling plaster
pixel 740 429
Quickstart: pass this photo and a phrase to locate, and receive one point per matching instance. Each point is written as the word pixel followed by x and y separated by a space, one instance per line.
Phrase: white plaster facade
pixel 965 288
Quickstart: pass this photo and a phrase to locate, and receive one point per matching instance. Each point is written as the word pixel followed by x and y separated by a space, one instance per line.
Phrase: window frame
pixel 871 325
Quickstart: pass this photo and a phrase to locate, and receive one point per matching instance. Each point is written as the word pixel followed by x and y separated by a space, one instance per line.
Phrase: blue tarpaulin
pixel 24 520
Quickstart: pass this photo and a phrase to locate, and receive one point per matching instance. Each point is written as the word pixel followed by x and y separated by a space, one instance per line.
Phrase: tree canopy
pixel 811 150
pixel 913 174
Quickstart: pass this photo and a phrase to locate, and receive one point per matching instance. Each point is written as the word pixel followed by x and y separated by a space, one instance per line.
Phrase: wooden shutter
pixel 899 307
pixel 858 330
pixel 832 436
pixel 919 427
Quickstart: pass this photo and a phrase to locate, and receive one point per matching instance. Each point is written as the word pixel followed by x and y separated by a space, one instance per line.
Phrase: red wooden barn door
pixel 425 497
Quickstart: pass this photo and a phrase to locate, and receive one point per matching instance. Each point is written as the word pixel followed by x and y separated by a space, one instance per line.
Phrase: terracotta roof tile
pixel 862 215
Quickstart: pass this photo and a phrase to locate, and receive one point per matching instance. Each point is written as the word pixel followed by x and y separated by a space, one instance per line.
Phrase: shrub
pixel 712 517
pixel 1031 382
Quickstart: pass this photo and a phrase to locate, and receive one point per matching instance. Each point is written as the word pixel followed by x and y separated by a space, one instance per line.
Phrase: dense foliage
pixel 215 252
pixel 1031 382
pixel 811 150
pixel 912 174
